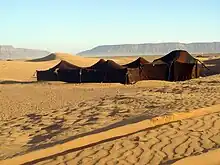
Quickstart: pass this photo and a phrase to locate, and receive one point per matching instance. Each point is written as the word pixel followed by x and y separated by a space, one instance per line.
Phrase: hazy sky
pixel 75 25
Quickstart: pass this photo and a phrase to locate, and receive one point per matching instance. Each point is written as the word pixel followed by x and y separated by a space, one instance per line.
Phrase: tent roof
pixel 137 63
pixel 97 65
pixel 100 65
pixel 105 65
pixel 181 56
pixel 64 65
pixel 110 64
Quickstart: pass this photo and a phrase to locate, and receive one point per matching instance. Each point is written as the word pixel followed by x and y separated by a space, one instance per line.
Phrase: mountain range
pixel 152 49
pixel 9 52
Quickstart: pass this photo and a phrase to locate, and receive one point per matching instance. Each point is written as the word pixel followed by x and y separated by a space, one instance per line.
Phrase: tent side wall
pixel 183 71
pixel 46 76
pixel 92 75
pixel 136 63
pixel 69 75
pixel 196 70
pixel 116 76
pixel 182 66
pixel 154 72
pixel 133 75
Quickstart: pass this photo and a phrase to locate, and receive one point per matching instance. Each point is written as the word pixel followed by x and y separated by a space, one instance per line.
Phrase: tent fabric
pixel 180 56
pixel 154 72
pixel 116 73
pixel 97 65
pixel 137 63
pixel 178 65
pixel 92 75
pixel 107 65
pixel 69 75
pixel 46 75
pixel 181 65
pixel 105 71
pixel 133 75
pixel 116 76
pixel 102 71
pixel 51 74
pixel 182 71
pixel 111 65
pixel 64 65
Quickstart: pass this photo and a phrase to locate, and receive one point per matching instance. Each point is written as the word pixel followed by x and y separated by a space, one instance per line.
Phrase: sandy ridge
pixel 113 133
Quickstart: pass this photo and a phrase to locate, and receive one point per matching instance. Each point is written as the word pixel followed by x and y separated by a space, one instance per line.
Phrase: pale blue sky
pixel 75 25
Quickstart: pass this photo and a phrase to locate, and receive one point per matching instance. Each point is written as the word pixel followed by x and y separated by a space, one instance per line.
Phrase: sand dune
pixel 77 60
pixel 54 56
pixel 80 61
pixel 22 71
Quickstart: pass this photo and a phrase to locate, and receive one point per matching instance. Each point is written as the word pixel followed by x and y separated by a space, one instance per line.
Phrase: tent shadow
pixel 18 82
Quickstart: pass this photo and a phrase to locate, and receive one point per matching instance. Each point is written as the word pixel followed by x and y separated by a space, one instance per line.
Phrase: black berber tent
pixel 52 73
pixel 180 64
pixel 137 63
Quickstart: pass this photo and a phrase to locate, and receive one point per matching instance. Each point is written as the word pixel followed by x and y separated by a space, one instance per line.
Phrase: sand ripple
pixel 40 129
pixel 160 145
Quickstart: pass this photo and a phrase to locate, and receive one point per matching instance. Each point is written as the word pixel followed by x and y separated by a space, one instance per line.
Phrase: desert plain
pixel 150 122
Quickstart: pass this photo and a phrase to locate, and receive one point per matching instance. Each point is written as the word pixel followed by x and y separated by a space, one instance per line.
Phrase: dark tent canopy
pixel 64 65
pixel 180 56
pixel 97 65
pixel 105 71
pixel 51 74
pixel 93 73
pixel 154 72
pixel 178 65
pixel 102 71
pixel 111 65
pixel 137 63
pixel 114 72
pixel 181 65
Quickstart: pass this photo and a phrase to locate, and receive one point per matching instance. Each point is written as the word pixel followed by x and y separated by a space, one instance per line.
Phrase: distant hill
pixel 9 52
pixel 151 49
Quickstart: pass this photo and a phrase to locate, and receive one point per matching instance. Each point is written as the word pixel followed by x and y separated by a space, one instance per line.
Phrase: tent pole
pixel 203 64
pixel 169 75
pixel 196 69
pixel 80 74
pixel 126 78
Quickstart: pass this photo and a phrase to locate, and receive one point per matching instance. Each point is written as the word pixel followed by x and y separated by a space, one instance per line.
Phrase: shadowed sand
pixel 40 115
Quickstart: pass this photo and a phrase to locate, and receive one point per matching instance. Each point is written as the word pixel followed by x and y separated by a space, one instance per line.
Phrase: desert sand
pixel 37 116
pixel 209 158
